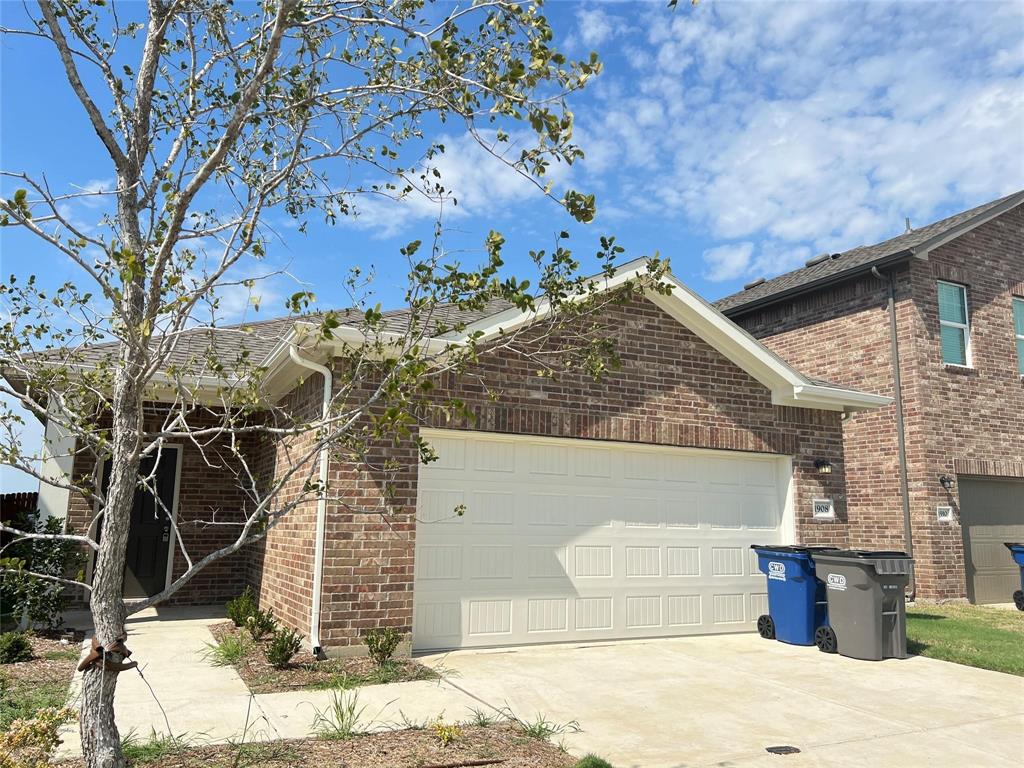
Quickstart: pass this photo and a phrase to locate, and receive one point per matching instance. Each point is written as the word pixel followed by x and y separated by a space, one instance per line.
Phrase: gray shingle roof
pixel 857 259
pixel 258 338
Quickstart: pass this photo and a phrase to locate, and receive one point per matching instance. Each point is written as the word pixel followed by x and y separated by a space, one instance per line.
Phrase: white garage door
pixel 570 540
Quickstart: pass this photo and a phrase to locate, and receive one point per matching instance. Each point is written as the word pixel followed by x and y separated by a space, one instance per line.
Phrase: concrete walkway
pixel 710 701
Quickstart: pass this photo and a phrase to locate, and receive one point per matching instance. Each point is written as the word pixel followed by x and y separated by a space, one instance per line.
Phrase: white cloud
pixel 595 26
pixel 800 128
pixel 727 262
pixel 476 182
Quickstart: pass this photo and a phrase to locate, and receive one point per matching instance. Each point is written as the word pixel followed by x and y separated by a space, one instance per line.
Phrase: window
pixel 954 333
pixel 1018 330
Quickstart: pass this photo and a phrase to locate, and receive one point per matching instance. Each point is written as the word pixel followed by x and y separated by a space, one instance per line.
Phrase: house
pixel 933 318
pixel 620 508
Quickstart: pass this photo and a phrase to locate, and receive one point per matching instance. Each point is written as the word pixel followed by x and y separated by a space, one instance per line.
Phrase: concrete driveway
pixel 708 701
pixel 720 701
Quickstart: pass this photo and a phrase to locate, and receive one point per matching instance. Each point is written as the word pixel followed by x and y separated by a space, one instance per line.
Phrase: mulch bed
pixel 502 744
pixel 53 660
pixel 306 671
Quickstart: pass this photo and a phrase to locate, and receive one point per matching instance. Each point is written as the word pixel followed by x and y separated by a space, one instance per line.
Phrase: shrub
pixel 231 649
pixel 242 607
pixel 14 646
pixel 261 623
pixel 283 645
pixel 21 594
pixel 29 742
pixel 593 761
pixel 382 643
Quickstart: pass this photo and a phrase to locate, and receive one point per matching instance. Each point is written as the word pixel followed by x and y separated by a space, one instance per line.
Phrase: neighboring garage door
pixel 991 512
pixel 573 540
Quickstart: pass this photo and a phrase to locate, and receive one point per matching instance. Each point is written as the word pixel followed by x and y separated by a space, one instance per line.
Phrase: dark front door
pixel 149 537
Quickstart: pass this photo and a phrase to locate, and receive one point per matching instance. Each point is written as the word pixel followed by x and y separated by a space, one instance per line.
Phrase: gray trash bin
pixel 867 612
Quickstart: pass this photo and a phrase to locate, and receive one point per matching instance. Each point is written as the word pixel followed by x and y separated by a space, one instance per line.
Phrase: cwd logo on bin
pixel 837 582
pixel 776 570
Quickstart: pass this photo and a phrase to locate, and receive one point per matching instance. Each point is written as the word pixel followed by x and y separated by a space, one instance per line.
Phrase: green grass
pixel 230 650
pixel 21 699
pixel 156 747
pixel 975 635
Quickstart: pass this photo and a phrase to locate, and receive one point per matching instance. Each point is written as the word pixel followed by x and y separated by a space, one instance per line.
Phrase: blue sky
pixel 738 139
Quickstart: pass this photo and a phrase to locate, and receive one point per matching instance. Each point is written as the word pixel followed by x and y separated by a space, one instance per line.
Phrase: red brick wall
pixel 972 420
pixel 208 492
pixel 672 389
pixel 280 566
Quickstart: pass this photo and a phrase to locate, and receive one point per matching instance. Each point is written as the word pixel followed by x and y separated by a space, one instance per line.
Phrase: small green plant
pixel 156 747
pixel 446 732
pixel 339 721
pixel 27 743
pixel 541 728
pixel 283 645
pixel 483 719
pixel 14 647
pixel 593 761
pixel 240 608
pixel 230 650
pixel 382 643
pixel 261 623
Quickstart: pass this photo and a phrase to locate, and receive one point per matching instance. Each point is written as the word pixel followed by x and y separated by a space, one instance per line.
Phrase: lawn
pixel 975 635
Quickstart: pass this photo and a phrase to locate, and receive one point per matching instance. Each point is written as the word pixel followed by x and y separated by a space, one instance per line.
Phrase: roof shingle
pixel 859 258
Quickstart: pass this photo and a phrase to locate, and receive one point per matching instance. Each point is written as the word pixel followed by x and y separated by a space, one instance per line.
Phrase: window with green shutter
pixel 1018 331
pixel 954 331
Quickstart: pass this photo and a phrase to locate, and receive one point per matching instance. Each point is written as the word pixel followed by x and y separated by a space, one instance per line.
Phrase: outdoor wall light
pixel 946 482
pixel 823 467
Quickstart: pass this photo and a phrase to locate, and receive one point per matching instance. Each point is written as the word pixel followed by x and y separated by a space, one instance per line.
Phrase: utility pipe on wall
pixel 321 502
pixel 901 441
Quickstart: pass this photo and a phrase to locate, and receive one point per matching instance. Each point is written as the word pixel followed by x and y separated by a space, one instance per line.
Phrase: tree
pixel 210 114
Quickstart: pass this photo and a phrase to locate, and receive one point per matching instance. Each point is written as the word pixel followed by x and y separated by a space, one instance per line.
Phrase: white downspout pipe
pixel 321 502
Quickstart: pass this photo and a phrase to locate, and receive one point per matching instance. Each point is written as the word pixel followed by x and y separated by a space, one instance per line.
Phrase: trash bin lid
pixel 1013 545
pixel 869 554
pixel 794 548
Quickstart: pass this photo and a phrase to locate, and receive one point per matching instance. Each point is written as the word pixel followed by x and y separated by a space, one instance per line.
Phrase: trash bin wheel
pixel 766 627
pixel 1018 599
pixel 825 639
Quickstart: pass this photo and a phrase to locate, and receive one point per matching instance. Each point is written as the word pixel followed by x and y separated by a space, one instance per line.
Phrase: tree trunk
pixel 101 742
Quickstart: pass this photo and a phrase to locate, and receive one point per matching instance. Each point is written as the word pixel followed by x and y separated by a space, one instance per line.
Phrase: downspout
pixel 901 440
pixel 321 502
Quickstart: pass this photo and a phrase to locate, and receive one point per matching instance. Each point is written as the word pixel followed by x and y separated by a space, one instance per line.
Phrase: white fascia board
pixel 831 398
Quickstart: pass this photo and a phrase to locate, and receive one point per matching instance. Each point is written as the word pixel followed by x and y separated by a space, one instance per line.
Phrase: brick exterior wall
pixel 672 389
pixel 957 421
pixel 207 491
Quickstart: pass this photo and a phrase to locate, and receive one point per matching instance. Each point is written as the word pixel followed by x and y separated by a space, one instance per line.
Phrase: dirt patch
pixel 305 671
pixel 504 744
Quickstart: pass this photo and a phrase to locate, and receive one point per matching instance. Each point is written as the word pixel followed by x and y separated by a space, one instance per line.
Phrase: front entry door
pixel 149 537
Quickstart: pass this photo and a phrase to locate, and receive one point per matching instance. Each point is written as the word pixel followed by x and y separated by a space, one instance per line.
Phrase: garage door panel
pixel 991 512
pixel 556 544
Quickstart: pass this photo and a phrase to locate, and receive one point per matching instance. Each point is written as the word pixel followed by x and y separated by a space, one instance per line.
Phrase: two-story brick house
pixel 934 318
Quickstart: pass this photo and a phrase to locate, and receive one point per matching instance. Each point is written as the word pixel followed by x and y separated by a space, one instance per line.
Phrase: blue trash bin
pixel 1017 552
pixel 797 604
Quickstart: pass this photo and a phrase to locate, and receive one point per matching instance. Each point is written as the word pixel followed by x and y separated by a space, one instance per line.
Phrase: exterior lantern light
pixel 824 467
pixel 946 482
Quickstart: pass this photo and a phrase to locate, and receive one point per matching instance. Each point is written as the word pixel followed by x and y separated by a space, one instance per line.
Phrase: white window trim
pixel 965 327
pixel 1020 336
